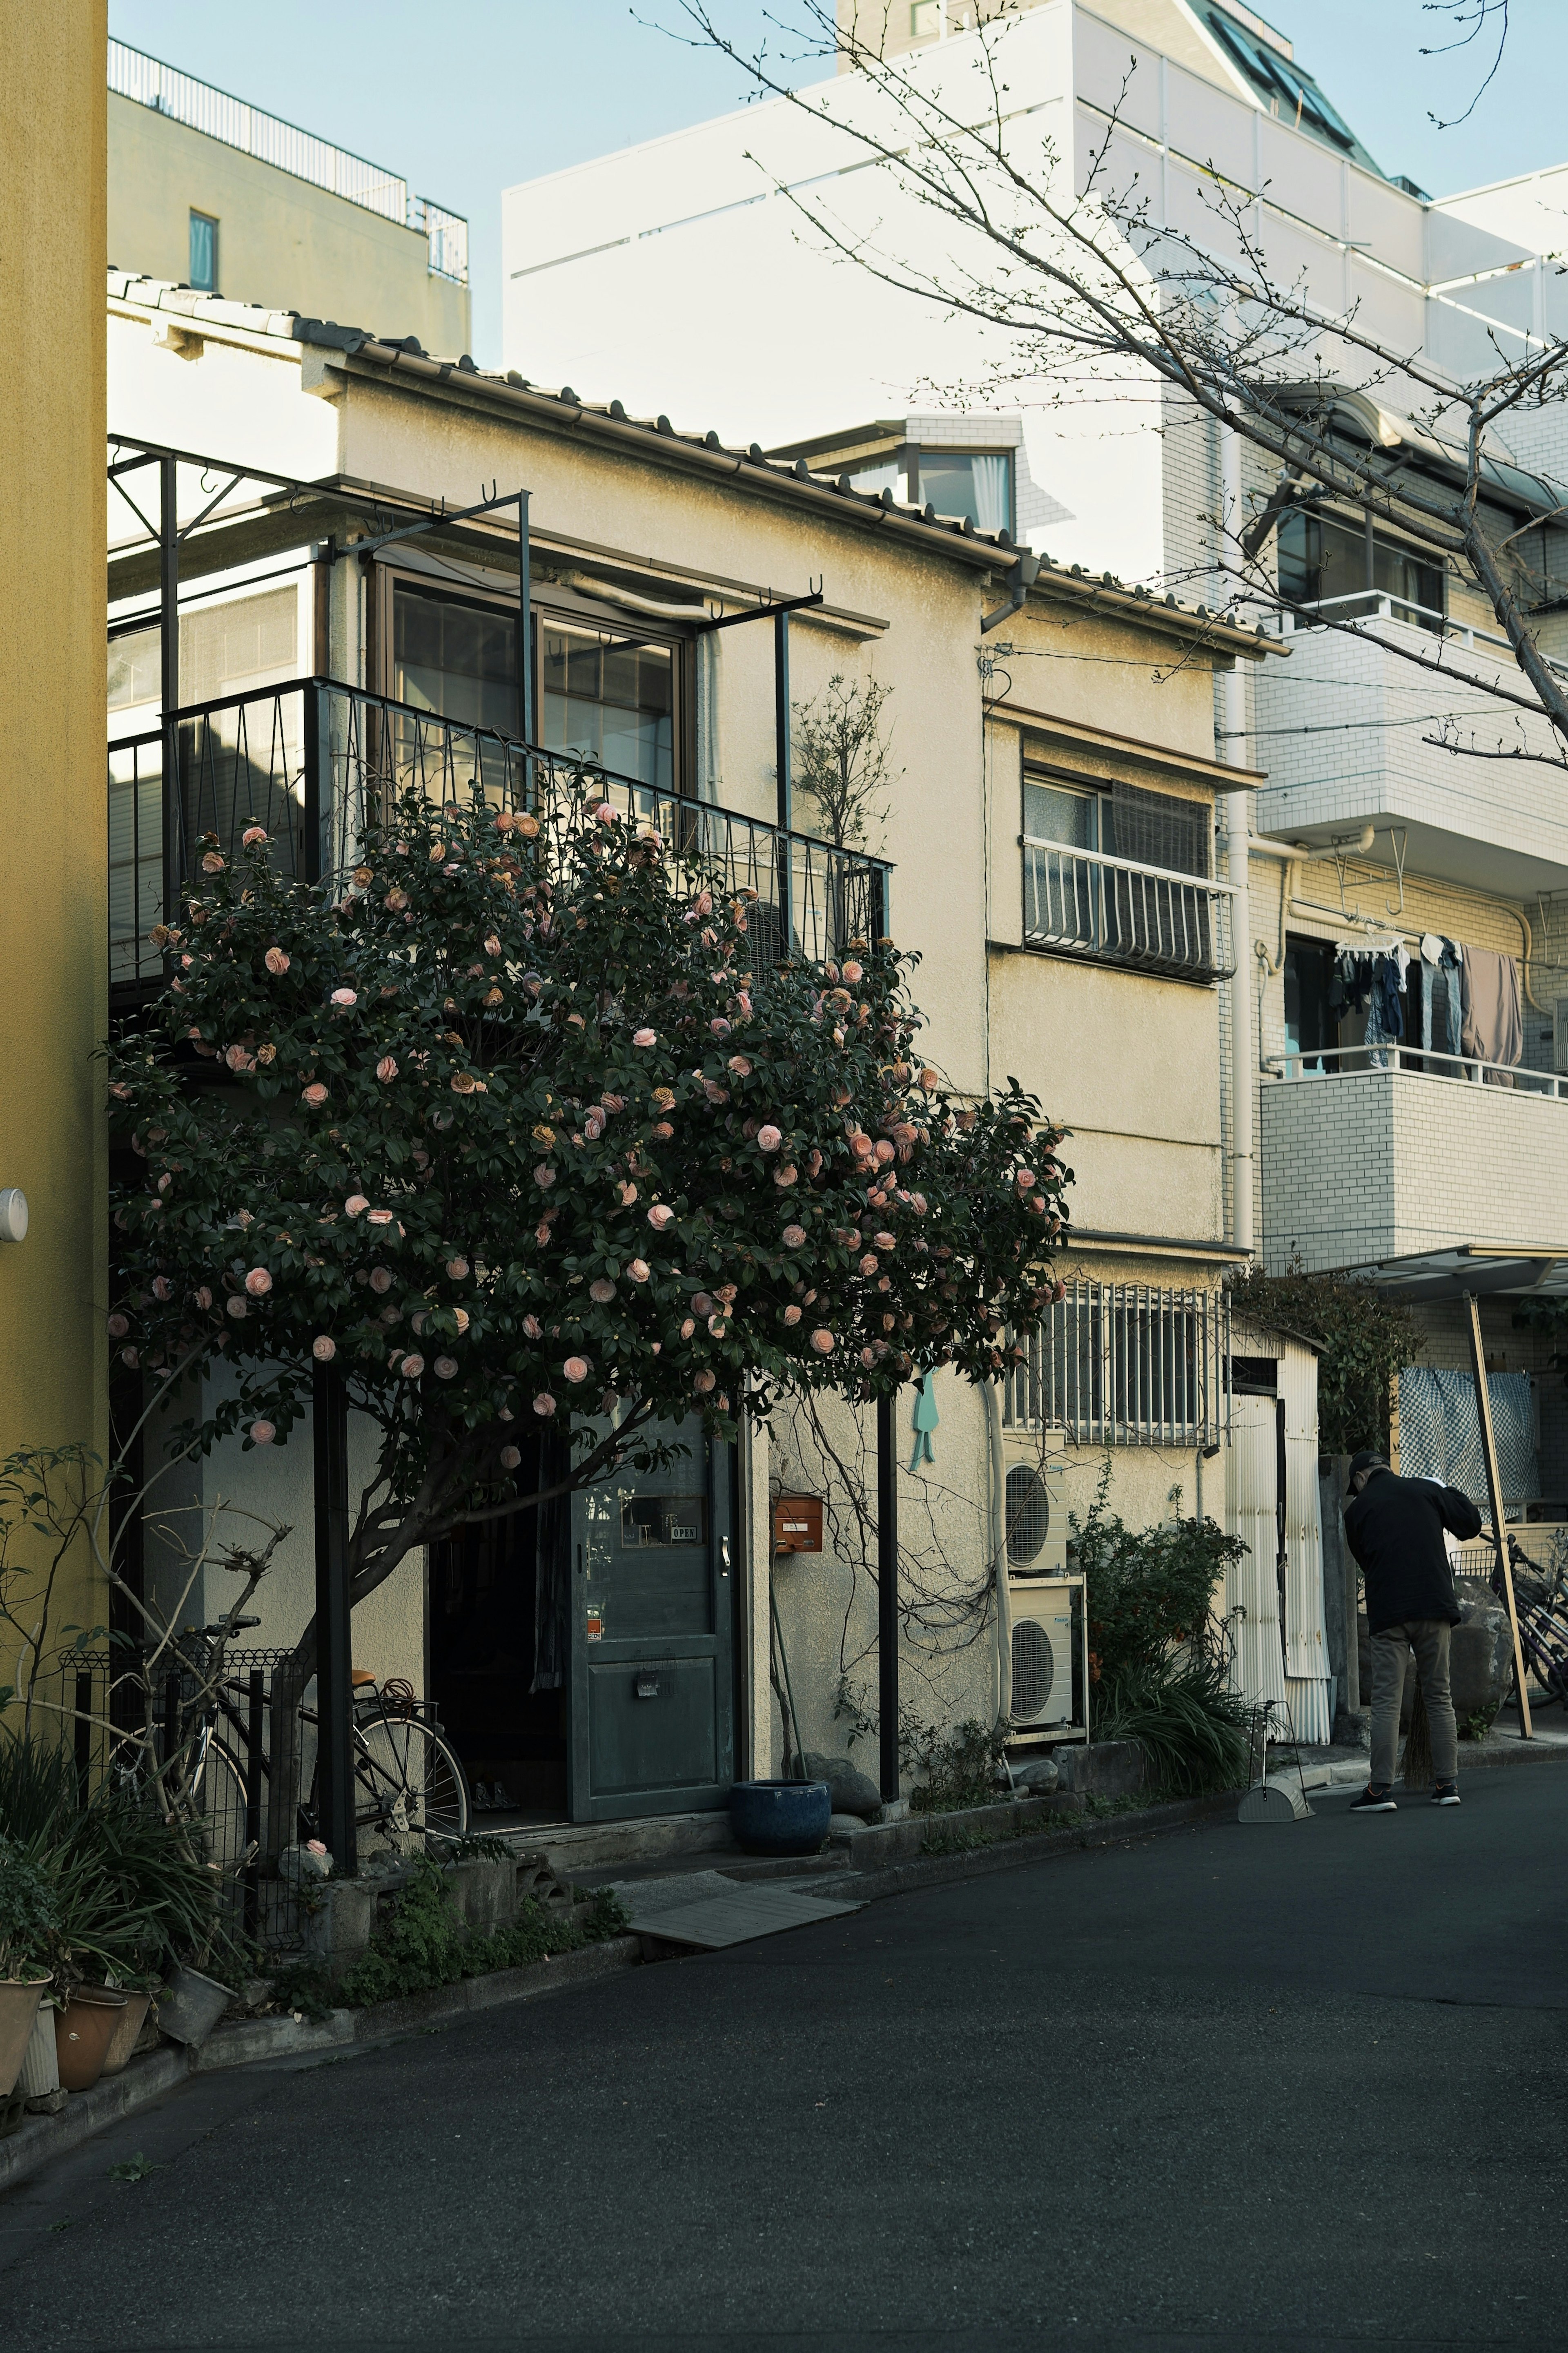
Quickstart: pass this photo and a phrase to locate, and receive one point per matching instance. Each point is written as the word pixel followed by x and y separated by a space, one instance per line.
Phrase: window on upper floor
pixel 1105 874
pixel 1325 561
pixel 609 702
pixel 203 270
pixel 976 483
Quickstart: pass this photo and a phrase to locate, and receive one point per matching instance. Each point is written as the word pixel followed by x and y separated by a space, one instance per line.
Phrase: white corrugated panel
pixel 1251 1589
pixel 1306 1645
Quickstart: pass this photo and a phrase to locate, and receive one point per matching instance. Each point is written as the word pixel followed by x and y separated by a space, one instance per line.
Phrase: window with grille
pixel 1124 1364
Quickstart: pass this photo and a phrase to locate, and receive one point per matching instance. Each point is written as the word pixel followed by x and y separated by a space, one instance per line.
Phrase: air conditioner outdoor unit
pixel 1560 1035
pixel 1035 1519
pixel 1042 1653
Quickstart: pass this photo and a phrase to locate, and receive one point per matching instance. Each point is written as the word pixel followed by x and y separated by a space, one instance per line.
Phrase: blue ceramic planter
pixel 780 1817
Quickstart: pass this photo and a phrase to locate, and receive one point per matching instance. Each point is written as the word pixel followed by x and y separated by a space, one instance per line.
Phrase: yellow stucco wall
pixel 282 242
pixel 53 899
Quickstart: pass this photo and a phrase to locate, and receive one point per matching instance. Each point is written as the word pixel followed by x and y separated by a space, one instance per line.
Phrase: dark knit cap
pixel 1367 1460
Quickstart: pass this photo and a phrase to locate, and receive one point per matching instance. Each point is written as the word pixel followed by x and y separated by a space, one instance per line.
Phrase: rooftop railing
pixel 202 106
pixel 1116 910
pixel 1419 1061
pixel 313 761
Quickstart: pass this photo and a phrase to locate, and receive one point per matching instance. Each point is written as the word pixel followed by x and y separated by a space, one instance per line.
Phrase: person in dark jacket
pixel 1394 1528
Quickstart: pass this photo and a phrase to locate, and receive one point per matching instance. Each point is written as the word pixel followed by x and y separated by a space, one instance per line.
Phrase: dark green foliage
pixel 959 1768
pixel 29 1914
pixel 1362 1337
pixel 1146 1590
pixel 1195 1731
pixel 424 1945
pixel 37 1785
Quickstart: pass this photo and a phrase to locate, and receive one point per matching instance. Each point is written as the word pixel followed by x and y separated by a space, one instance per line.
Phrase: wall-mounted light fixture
pixel 12 1214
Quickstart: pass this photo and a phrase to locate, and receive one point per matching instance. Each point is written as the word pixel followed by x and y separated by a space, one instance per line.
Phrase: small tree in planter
pixel 506 1127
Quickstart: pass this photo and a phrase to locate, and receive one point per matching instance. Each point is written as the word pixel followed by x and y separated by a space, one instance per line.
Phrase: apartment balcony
pixel 1361 1164
pixel 1113 911
pixel 313 760
pixel 1343 728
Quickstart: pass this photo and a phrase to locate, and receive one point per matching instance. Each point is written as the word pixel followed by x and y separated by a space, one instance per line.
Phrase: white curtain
pixel 990 500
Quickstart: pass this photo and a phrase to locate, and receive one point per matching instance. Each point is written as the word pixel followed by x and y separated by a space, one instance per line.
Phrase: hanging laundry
pixel 1493 1025
pixel 1439 984
pixel 1374 980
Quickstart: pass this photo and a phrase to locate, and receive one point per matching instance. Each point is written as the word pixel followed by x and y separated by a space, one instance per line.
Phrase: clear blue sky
pixel 465 99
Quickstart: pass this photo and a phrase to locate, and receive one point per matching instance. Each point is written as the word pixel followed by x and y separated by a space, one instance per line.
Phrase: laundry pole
pixel 1494 1491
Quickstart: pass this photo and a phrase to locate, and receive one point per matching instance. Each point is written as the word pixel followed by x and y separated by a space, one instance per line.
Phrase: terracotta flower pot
pixel 122 2042
pixel 19 2008
pixel 84 2029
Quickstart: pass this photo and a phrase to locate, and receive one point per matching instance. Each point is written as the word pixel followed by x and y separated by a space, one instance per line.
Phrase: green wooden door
pixel 652 1627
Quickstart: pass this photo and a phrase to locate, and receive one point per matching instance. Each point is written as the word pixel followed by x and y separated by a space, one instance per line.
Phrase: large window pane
pixel 612 704
pixel 455 657
pixel 970 482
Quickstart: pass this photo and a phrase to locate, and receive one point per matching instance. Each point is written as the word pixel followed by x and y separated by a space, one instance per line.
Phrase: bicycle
pixel 407 1779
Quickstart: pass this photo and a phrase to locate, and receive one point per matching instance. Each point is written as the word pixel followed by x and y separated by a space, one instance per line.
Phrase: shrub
pixel 1146 1590
pixel 423 1943
pixel 959 1768
pixel 29 1914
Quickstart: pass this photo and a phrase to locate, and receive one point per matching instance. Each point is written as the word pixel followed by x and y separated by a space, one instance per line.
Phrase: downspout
pixel 1233 704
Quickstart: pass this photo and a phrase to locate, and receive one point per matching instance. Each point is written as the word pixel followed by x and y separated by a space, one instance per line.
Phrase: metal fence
pixel 314 761
pixel 202 106
pixel 1125 1364
pixel 1116 910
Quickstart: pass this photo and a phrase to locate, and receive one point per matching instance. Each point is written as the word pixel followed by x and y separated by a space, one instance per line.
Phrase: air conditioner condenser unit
pixel 1045 1629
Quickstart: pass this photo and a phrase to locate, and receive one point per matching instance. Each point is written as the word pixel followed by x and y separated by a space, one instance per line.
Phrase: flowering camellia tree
pixel 505 1127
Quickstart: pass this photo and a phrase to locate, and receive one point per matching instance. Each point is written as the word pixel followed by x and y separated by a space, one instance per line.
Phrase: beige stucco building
pixel 1051 834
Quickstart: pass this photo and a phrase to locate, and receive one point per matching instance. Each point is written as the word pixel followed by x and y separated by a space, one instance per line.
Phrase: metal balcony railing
pixel 312 761
pixel 1353 1061
pixel 1125 1364
pixel 1115 911
pixel 202 106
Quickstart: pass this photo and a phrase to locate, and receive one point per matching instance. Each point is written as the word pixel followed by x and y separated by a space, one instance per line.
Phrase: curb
pixel 1008 1851
pixel 251 2042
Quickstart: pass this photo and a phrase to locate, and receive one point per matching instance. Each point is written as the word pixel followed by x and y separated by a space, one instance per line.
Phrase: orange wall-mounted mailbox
pixel 797 1524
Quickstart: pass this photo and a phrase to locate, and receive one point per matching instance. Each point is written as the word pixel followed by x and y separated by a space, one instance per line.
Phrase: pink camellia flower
pixel 794 1237
pixel 885 1153
pixel 929 1080
pixel 345 997
pixel 323 1348
pixel 204 1298
pixel 645 1037
pixel 544 1174
pixel 504 822
pixel 786 1173
pixel 704 1381
pixel 445 1368
pixel 769 1138
pixel 613 1102
pixel 541 1232
pixel 821 1341
pixel 511 1456
pixel 867 1358
pixel 262 1434
pixel 739 1064
pixel 236 1307
pixel 792 1315
pixel 381 1278
pixel 917 1203
pixel 131 1357
pixel 417 1318
pixel 1023 1179
pixel 594 1126
pixel 379 1217
pixel 602 1290
pixel 869 1263
pixel 118 1327
pixel 533 1328
pixel 259 1282
pixel 660 1216
pixel 664 1131
pixel 638 1270
pixel 457 1268
pixel 544 1403
pixel 884 1241
pixel 852 973
pixel 251 835
pixel 687 1327
pixel 315 1094
pixel 212 863
pixel 162 1287
pixel 239 1060
pixel 576 1369
pixel 720 1026
pixel 701 1303
pixel 628 1195
pixel 703 903
pixel 386 1068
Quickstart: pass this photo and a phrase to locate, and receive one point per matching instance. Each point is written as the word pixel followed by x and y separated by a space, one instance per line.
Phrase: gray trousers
pixel 1428 1638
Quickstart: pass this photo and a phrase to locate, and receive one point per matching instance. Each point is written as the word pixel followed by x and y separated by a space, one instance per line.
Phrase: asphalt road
pixel 1295 2088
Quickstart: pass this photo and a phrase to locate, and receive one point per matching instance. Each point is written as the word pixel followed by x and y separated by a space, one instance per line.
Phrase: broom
pixel 1417 1772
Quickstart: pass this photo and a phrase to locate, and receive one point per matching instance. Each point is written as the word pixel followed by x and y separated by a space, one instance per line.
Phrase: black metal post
pixel 785 806
pixel 887 1595
pixel 169 673
pixel 524 623
pixel 84 1734
pixel 334 1760
pixel 314 863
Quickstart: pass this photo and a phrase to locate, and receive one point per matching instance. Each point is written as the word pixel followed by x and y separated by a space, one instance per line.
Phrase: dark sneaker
pixel 1373 1800
pixel 1446 1793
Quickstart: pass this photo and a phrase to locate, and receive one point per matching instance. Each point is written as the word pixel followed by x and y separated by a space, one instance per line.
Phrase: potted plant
pixel 29 1925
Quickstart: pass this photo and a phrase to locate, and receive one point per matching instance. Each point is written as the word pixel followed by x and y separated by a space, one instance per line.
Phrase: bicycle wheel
pixel 220 1795
pixel 406 1778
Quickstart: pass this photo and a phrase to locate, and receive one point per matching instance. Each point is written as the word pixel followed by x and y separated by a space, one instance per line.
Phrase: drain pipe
pixel 1237 809
pixel 999 1556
